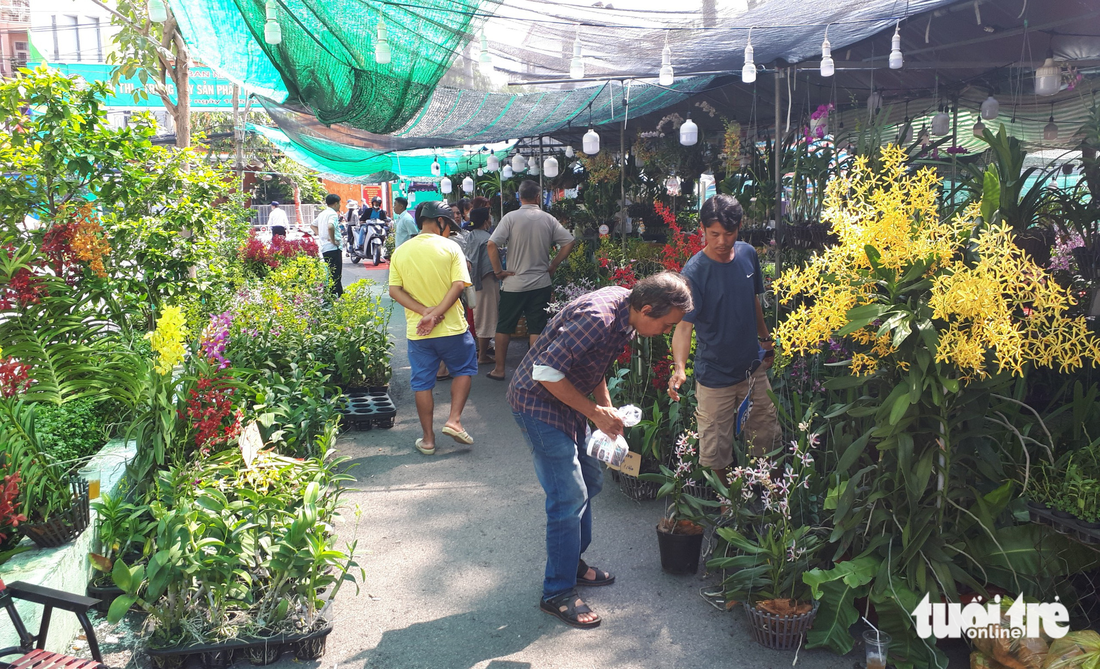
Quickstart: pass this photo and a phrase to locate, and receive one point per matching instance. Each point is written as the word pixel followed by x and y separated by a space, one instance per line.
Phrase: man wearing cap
pixel 427 275
pixel 277 220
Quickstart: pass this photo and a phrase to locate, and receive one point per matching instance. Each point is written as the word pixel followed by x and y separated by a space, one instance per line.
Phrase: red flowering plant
pixel 21 284
pixel 214 421
pixel 681 245
pixel 10 517
pixel 260 258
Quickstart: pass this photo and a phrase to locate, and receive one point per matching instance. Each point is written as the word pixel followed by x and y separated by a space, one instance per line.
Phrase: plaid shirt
pixel 580 342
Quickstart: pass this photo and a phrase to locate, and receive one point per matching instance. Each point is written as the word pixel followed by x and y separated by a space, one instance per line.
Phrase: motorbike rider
pixel 375 211
pixel 351 221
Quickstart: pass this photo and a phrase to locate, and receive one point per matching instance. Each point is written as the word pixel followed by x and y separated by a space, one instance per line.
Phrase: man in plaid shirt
pixel 549 396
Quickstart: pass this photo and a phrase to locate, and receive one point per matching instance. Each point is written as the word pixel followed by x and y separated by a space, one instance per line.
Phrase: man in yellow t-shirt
pixel 427 275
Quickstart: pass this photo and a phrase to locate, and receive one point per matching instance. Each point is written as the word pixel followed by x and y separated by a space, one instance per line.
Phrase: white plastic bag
pixel 613 451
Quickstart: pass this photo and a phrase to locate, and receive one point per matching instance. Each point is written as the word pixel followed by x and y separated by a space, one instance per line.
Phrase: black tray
pixel 258 651
pixel 366 409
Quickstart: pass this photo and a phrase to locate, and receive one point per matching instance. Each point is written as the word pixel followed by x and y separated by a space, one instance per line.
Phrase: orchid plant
pixel 684 510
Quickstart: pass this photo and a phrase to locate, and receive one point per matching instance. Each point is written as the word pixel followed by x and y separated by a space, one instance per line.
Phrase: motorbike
pixel 369 241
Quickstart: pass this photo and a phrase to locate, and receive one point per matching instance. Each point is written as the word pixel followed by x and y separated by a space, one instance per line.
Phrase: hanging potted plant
pixel 679 536
pixel 772 543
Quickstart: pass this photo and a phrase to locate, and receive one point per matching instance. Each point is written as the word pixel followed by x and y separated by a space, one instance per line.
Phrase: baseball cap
pixel 437 209
pixel 274 203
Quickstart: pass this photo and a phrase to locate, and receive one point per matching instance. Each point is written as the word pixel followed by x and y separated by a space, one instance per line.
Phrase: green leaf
pixel 901 405
pixel 120 574
pixel 120 607
pixel 991 193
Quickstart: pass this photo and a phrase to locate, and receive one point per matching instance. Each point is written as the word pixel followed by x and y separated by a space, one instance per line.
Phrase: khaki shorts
pixel 716 416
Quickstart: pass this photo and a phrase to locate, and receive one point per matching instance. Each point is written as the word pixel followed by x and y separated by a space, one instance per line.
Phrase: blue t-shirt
pixel 725 315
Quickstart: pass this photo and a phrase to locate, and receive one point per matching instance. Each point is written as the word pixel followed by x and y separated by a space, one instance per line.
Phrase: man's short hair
pixel 403 201
pixel 529 191
pixel 662 292
pixel 331 199
pixel 722 209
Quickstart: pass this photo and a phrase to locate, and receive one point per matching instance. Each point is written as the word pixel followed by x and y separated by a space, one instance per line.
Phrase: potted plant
pixel 53 500
pixel 773 542
pixel 679 536
pixel 123 528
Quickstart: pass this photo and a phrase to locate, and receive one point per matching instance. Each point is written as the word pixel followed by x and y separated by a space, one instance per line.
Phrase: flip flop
pixel 495 378
pixel 567 608
pixel 462 437
pixel 426 451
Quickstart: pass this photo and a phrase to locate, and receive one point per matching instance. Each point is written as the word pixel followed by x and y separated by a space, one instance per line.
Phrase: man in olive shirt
pixel 529 234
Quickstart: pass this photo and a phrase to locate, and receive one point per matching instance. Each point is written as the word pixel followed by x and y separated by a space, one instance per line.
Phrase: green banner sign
pixel 208 90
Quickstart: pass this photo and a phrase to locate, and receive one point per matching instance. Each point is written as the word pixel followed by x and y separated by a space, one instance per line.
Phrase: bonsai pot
pixel 779 631
pixel 680 550
pixel 61 528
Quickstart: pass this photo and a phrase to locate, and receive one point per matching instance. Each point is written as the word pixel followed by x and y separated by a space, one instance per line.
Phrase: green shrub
pixel 76 429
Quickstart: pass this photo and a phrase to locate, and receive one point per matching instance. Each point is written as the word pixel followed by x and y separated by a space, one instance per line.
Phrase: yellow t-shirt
pixel 426 266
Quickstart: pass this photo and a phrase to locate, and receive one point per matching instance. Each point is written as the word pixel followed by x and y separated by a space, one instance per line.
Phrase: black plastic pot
pixel 62 527
pixel 258 651
pixel 1038 512
pixel 106 596
pixel 1064 523
pixel 679 552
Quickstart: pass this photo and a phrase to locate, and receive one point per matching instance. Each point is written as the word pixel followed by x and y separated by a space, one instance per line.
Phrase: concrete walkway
pixel 453 548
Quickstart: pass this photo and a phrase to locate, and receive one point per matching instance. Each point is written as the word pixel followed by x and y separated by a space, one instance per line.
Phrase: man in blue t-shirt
pixel 732 340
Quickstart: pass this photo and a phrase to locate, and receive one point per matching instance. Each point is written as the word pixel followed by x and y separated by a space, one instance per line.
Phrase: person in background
pixel 327 228
pixel 559 387
pixel 463 210
pixel 350 220
pixel 526 288
pixel 404 225
pixel 375 210
pixel 427 275
pixel 277 220
pixel 484 280
pixel 732 340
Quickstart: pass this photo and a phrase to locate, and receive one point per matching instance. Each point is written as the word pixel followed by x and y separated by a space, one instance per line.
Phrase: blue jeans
pixel 571 478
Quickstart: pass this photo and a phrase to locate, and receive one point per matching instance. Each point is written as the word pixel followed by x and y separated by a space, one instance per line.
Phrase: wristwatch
pixel 766 340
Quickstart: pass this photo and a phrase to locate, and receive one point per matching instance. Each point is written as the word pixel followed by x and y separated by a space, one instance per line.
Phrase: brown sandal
pixel 567 608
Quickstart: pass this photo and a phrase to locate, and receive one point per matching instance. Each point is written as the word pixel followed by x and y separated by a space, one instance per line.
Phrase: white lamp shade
pixel 689 133
pixel 518 163
pixel 672 185
pixel 467 185
pixel 591 142
pixel 273 33
pixel 990 108
pixel 157 11
pixel 569 152
pixel 492 163
pixel 665 76
pixel 907 137
pixel 412 196
pixel 382 52
pixel 532 163
pixel 828 67
pixel 896 59
pixel 506 172
pixel 874 102
pixel 748 71
pixel 480 172
pixel 1050 130
pixel 533 171
pixel 979 129
pixel 445 186
pixel 550 167
pixel 436 171
pixel 576 65
pixel 941 124
pixel 485 64
pixel 1048 78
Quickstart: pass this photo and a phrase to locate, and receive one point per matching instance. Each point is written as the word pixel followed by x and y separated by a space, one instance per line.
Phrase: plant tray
pixel 63 527
pixel 308 646
pixel 367 409
pixel 1063 523
pixel 637 489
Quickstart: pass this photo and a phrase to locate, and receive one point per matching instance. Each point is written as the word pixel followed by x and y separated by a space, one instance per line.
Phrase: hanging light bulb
pixel 874 102
pixel 748 70
pixel 576 65
pixel 672 185
pixel 990 108
pixel 550 167
pixel 506 173
pixel 533 169
pixel 896 59
pixel 591 142
pixel 412 197
pixel 492 163
pixel 273 32
pixel 436 171
pixel 979 129
pixel 1050 130
pixel 445 186
pixel 689 132
pixel 518 163
pixel 467 185
pixel 532 163
pixel 485 61
pixel 828 68
pixel 665 76
pixel 480 172
pixel 941 123
pixel 382 45
pixel 158 13
pixel 1048 78
pixel 569 152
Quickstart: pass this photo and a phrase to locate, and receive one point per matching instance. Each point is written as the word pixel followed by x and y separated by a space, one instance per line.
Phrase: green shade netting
pixel 325 61
pixel 349 165
pixel 453 117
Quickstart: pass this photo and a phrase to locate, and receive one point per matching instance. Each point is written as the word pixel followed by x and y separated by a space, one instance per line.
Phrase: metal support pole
pixel 542 193
pixel 622 162
pixel 778 159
